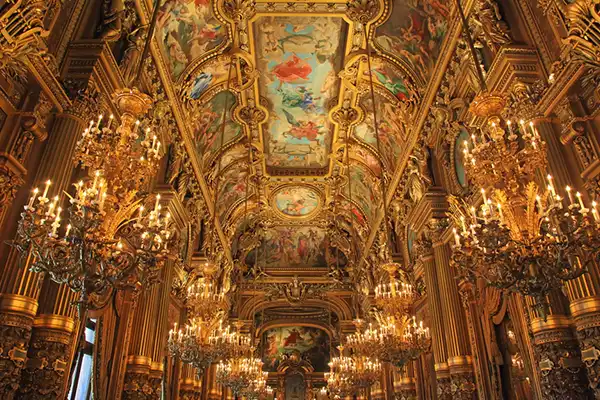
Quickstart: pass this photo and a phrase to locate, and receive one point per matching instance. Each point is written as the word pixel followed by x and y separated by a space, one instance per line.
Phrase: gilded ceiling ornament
pixel 362 11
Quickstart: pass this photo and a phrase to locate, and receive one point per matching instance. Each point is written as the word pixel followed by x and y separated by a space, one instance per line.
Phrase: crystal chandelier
pixel 258 388
pixel 523 238
pixel 359 371
pixel 107 241
pixel 338 385
pixel 238 372
pixel 395 297
pixel 530 246
pixel 339 382
pixel 395 340
pixel 200 343
pixel 204 301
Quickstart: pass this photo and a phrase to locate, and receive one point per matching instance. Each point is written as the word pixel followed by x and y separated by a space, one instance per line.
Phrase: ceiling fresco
pixel 292 246
pixel 299 87
pixel 414 32
pixel 207 124
pixel 297 201
pixel 187 30
pixel 298 59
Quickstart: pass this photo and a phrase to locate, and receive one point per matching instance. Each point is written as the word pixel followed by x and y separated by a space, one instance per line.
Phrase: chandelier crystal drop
pixel 107 241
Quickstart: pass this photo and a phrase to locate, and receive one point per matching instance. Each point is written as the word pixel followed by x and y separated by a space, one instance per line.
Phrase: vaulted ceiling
pixel 293 81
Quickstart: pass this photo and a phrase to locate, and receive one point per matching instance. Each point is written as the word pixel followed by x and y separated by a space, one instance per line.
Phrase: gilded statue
pixel 111 24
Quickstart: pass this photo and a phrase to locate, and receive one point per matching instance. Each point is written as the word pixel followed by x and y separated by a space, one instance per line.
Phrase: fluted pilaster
pixel 456 332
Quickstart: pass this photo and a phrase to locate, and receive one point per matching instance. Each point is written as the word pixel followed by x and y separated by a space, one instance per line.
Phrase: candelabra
pixel 396 340
pixel 395 297
pixel 529 246
pixel 104 244
pixel 201 342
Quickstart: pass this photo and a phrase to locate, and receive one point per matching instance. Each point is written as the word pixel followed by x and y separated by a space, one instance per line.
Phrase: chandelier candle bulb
pixel 580 199
pixel 48 183
pixel 156 205
pixel 568 189
pixel 32 198
pixel 68 231
pixel 99 120
pixel 456 238
pixel 500 212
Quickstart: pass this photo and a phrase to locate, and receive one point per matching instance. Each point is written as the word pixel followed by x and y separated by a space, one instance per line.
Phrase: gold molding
pixel 18 304
pixel 54 321
pixel 553 322
pixel 587 305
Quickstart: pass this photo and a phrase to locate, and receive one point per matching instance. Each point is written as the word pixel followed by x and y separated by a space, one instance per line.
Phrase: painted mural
pixel 384 75
pixel 361 191
pixel 296 201
pixel 459 162
pixel 207 76
pixel 366 156
pixel 208 126
pixel 187 29
pixel 391 128
pixel 298 58
pixel 232 189
pixel 291 246
pixel 310 344
pixel 414 33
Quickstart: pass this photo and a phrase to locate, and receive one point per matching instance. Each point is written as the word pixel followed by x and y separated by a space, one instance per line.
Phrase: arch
pixel 259 302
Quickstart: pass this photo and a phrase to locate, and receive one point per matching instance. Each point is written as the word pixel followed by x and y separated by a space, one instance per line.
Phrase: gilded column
pixel 187 389
pixel 20 289
pixel 438 345
pixel 583 292
pixel 139 362
pixel 455 323
pixel 161 329
pixel 562 374
pixel 50 350
pixel 585 311
pixel 405 387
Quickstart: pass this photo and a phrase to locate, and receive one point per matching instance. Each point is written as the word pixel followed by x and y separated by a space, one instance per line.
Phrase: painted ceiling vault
pixel 279 108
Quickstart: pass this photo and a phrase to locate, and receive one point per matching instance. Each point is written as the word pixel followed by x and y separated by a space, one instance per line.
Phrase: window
pixel 81 373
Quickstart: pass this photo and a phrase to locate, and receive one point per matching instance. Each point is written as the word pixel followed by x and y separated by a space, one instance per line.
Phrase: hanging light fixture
pixel 339 383
pixel 393 340
pixel 107 241
pixel 523 238
pixel 239 370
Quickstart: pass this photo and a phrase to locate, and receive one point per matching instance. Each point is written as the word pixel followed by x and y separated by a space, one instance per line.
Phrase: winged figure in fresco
pixel 302 129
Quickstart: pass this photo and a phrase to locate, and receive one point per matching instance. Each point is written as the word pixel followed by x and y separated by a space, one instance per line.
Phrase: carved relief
pixel 15 334
pixel 47 365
